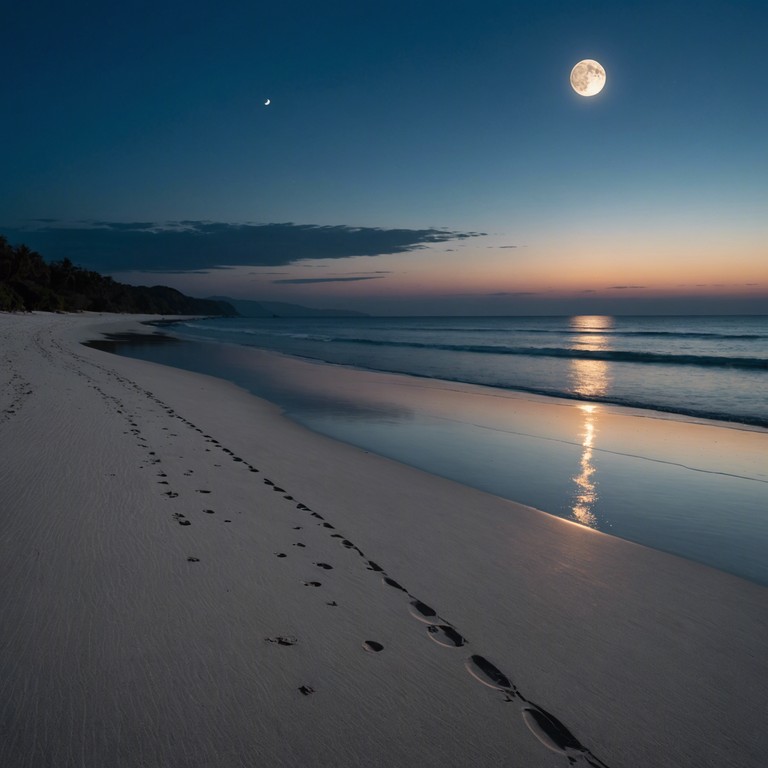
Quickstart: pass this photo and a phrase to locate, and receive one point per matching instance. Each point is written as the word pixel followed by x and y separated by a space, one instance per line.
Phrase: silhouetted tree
pixel 28 283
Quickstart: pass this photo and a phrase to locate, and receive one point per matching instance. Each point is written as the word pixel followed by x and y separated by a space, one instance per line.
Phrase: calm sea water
pixel 710 367
pixel 668 481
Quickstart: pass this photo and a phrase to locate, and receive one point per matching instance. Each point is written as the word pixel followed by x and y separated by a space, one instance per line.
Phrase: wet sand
pixel 693 487
pixel 190 579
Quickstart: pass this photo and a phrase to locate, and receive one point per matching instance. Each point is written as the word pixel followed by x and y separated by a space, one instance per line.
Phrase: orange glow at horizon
pixel 502 274
pixel 557 270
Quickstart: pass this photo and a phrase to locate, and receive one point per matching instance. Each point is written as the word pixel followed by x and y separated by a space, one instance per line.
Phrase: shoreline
pixel 118 650
pixel 640 411
pixel 658 407
pixel 604 462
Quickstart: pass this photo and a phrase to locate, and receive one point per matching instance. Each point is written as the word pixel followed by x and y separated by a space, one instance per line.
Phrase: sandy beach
pixel 190 579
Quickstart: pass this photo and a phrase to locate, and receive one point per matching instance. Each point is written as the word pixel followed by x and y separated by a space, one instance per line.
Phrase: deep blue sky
pixel 405 116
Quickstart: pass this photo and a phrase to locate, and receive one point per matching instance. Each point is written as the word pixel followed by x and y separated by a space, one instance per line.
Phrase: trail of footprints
pixel 552 733
pixel 16 389
pixel 543 725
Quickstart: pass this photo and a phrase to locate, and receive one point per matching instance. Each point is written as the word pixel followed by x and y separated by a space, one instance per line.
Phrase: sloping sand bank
pixel 188 579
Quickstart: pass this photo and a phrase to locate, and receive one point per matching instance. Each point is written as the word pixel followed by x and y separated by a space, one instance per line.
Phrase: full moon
pixel 588 78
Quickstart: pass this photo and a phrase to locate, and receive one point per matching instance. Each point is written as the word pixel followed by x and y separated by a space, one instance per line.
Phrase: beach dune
pixel 190 579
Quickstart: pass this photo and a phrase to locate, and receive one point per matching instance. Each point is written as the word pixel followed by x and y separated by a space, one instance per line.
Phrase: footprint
pixel 202 491
pixel 193 559
pixel 171 494
pixel 299 544
pixel 372 646
pixel 486 673
pixel 325 566
pixel 393 583
pixel 443 634
pixel 374 567
pixel 209 512
pixel 312 584
pixel 282 640
pixel 281 554
pixel 184 522
pixel 549 730
pixel 422 611
pixel 306 690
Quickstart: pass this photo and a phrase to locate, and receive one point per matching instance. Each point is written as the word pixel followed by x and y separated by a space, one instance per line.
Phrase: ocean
pixel 653 429
pixel 709 367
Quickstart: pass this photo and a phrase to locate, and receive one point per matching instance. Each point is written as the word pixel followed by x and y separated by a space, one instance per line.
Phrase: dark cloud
pixel 366 272
pixel 191 271
pixel 513 293
pixel 507 246
pixel 200 245
pixel 306 280
pixel 623 287
pixel 129 226
pixel 588 290
pixel 720 285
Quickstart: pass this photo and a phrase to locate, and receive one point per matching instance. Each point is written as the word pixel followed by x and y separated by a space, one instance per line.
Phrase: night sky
pixel 416 157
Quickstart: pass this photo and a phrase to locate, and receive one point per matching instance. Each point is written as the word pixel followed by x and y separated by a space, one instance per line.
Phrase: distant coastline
pixel 246 308
pixel 29 283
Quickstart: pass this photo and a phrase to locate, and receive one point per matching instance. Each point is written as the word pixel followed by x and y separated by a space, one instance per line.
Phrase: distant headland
pixel 29 283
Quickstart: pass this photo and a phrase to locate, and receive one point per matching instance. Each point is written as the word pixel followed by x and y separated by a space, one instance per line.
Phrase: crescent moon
pixel 267 102
pixel 588 77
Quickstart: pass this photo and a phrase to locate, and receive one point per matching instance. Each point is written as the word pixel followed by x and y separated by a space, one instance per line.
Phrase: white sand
pixel 115 650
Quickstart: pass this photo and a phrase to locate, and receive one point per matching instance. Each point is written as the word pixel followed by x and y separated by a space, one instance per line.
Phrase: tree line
pixel 28 282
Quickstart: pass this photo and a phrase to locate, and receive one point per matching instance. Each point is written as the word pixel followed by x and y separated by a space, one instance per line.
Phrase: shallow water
pixel 712 367
pixel 694 488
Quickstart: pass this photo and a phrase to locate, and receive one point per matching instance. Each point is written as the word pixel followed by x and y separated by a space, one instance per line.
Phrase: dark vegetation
pixel 28 283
